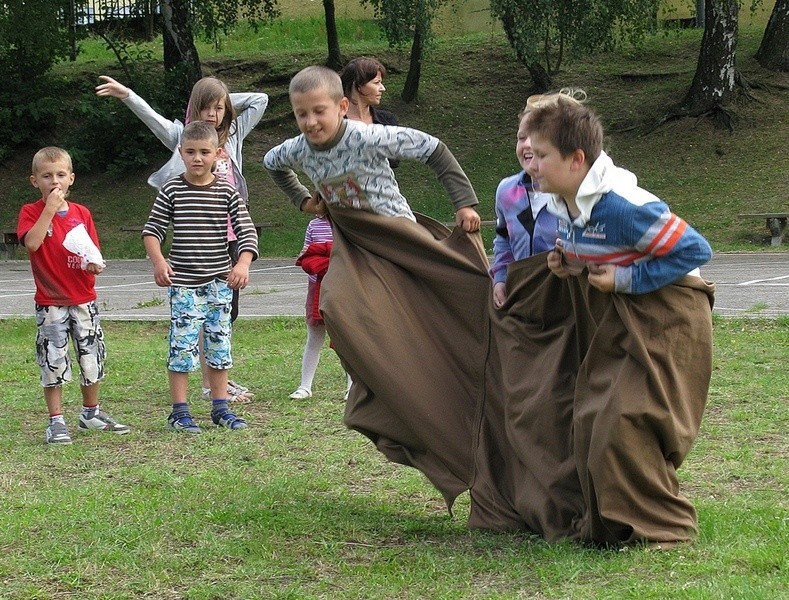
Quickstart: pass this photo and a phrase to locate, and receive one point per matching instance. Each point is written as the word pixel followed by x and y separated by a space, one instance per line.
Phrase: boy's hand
pixel 56 200
pixel 556 264
pixel 499 294
pixel 94 268
pixel 602 276
pixel 112 88
pixel 238 278
pixel 314 205
pixel 468 219
pixel 162 271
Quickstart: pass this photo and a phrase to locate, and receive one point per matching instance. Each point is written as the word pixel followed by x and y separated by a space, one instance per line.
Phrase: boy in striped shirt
pixel 199 273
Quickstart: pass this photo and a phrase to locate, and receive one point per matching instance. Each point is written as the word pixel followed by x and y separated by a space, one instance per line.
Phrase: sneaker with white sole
pixel 301 393
pixel 225 418
pixel 183 421
pixel 101 421
pixel 57 434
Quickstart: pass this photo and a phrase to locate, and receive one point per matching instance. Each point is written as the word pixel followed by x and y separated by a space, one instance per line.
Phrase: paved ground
pixel 747 284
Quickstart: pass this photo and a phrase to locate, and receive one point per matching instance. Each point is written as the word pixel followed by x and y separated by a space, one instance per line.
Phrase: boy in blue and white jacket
pixel 626 238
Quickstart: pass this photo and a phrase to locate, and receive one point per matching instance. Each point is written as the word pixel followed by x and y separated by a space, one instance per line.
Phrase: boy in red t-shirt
pixel 63 246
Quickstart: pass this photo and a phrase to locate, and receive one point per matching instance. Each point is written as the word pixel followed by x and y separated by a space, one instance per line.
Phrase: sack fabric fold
pixel 565 413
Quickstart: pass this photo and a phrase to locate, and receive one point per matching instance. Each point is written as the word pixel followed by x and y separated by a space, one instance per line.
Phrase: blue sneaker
pixel 182 421
pixel 225 418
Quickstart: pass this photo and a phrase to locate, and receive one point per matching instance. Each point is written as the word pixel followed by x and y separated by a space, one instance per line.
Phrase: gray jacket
pixel 249 110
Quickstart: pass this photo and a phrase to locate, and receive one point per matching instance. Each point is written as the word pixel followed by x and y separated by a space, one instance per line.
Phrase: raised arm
pixel 168 132
pixel 249 109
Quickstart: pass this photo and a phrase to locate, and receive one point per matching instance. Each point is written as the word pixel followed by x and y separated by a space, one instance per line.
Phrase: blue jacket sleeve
pixel 671 248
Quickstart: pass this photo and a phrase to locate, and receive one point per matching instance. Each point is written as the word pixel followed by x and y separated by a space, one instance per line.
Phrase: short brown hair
pixel 51 154
pixel 569 126
pixel 200 130
pixel 317 77
pixel 537 100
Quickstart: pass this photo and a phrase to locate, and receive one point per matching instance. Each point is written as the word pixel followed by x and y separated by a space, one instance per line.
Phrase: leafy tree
pixel 181 60
pixel 31 38
pixel 541 32
pixel 214 17
pixel 403 20
pixel 210 18
pixel 773 52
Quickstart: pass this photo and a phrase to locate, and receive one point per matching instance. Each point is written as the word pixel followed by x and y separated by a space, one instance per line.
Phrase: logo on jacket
pixel 596 231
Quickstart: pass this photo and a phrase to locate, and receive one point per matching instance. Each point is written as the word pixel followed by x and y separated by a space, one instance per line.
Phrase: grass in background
pixel 470 93
pixel 299 507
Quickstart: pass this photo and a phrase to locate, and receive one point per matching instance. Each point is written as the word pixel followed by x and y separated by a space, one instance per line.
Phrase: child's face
pixel 549 170
pixel 318 116
pixel 523 147
pixel 52 175
pixel 214 113
pixel 199 157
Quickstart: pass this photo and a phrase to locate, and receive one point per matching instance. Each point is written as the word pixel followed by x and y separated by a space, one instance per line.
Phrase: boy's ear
pixel 344 104
pixel 578 159
pixel 34 181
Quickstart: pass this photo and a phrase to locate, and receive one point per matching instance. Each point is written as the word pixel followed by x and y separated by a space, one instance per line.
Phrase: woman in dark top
pixel 362 81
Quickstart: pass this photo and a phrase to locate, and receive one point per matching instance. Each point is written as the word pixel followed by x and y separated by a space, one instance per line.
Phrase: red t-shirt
pixel 60 279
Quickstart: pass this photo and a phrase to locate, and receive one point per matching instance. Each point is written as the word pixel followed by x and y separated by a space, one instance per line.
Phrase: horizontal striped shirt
pixel 318 232
pixel 198 217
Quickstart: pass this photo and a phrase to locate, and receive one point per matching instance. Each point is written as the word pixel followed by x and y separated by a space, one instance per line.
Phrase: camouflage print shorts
pixel 54 326
pixel 192 310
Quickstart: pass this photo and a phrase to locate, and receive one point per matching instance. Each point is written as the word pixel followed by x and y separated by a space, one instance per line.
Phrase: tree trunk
pixel 713 84
pixel 181 61
pixel 540 78
pixel 334 59
pixel 411 86
pixel 773 52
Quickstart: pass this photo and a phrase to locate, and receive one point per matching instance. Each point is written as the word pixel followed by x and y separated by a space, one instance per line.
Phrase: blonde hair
pixel 51 154
pixel 205 92
pixel 317 77
pixel 573 95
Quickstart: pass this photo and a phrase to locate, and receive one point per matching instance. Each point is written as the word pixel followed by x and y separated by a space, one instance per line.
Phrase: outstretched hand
pixel 113 88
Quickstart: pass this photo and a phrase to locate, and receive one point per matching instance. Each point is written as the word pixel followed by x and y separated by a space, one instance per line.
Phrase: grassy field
pixel 470 94
pixel 298 506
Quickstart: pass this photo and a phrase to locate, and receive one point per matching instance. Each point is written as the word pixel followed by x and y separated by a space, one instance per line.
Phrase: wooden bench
pixel 776 223
pixel 259 227
pixel 10 243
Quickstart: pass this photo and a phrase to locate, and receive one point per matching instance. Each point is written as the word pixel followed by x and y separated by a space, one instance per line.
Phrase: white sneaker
pixel 301 393
pixel 102 421
pixel 57 434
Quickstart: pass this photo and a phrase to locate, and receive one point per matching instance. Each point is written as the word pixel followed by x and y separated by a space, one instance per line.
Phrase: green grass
pixel 299 507
pixel 470 93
